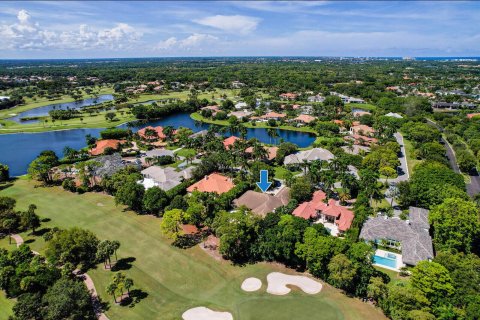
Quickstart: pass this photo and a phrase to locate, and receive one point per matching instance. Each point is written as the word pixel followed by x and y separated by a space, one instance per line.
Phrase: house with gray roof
pixel 164 178
pixel 308 156
pixel 410 236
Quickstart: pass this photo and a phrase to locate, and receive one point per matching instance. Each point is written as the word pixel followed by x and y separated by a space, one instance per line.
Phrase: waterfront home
pixel 270 116
pixel 304 119
pixel 335 218
pixel 240 114
pixel 158 133
pixel 410 237
pixel 108 144
pixel 214 182
pixel 213 109
pixel 164 178
pixel 201 133
pixel 271 152
pixel 308 156
pixel 262 203
pixel 149 156
pixel 230 141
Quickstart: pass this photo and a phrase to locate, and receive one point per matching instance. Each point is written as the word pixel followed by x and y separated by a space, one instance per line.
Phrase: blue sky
pixel 43 29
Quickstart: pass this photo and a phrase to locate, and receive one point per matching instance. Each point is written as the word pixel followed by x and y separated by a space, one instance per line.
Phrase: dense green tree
pixel 433 280
pixel 155 200
pixel 171 223
pixel 4 173
pixel 75 245
pixel 68 299
pixel 342 272
pixel 40 167
pixel 130 193
pixel 301 190
pixel 456 224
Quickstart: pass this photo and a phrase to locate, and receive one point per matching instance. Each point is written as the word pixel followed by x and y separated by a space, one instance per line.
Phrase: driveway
pixel 403 174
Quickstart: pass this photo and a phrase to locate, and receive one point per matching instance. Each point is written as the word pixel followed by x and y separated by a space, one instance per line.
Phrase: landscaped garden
pixel 172 280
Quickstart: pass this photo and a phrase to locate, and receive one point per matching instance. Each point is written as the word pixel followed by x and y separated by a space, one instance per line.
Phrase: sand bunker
pixel 202 313
pixel 277 284
pixel 251 284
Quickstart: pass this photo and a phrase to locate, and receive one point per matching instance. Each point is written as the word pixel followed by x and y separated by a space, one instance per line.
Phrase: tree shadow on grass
pixel 136 295
pixel 29 241
pixel 123 264
pixel 40 232
pixel 188 241
pixel 46 220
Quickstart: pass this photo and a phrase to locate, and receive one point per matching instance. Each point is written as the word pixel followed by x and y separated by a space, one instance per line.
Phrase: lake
pixel 43 111
pixel 19 149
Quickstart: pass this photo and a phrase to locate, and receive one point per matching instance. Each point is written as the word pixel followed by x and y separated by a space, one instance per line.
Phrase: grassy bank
pixel 173 279
pixel 198 117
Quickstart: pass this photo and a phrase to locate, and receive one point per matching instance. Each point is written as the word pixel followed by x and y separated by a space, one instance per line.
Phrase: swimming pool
pixel 389 260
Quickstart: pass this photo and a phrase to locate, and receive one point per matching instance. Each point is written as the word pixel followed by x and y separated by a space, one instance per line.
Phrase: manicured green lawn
pixel 364 106
pixel 410 150
pixel 281 171
pixel 5 306
pixel 185 152
pixel 173 279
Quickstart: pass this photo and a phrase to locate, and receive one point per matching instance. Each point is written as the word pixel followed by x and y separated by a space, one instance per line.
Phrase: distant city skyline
pixel 62 30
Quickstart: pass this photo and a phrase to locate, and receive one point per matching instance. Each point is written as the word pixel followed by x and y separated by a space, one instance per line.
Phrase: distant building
pixel 288 96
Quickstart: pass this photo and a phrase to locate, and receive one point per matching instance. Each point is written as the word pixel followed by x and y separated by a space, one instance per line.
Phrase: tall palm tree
pixel 111 290
pixel 128 283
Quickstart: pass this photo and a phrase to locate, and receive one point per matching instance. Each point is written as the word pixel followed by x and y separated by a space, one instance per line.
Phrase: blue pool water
pixel 389 261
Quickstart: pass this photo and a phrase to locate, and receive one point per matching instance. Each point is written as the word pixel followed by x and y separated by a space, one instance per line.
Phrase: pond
pixel 43 111
pixel 19 149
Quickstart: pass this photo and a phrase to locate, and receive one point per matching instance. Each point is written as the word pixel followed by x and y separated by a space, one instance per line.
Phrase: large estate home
pixel 308 156
pixel 214 182
pixel 411 237
pixel 164 178
pixel 337 219
pixel 271 152
pixel 263 203
pixel 103 145
pixel 156 133
pixel 230 141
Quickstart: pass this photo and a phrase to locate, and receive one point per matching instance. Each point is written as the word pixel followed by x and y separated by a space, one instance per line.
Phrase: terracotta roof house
pixel 308 155
pixel 288 96
pixel 304 118
pixel 272 152
pixel 158 130
pixel 270 115
pixel 411 236
pixel 263 203
pixel 362 130
pixel 336 218
pixel 358 114
pixel 214 182
pixel 101 145
pixel 472 115
pixel 361 140
pixel 230 141
pixel 214 109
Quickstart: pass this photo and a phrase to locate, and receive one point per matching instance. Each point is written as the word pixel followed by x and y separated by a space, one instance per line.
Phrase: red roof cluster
pixel 311 209
pixel 228 142
pixel 214 182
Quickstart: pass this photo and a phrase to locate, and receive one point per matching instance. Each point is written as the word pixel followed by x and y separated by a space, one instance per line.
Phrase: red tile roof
pixel 158 130
pixel 305 118
pixel 215 182
pixel 101 145
pixel 228 142
pixel 471 115
pixel 343 216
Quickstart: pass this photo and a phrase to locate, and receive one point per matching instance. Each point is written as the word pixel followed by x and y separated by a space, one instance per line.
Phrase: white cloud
pixel 24 34
pixel 232 24
pixel 196 41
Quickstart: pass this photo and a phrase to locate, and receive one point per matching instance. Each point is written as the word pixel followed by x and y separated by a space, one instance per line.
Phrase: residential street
pixel 473 187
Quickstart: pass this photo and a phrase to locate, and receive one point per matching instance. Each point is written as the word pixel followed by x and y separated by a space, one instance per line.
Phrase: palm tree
pixel 111 290
pixel 115 245
pixel 128 283
pixel 272 133
pixel 344 197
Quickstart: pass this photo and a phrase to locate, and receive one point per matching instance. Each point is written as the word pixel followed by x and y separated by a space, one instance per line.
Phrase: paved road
pixel 473 188
pixel 403 175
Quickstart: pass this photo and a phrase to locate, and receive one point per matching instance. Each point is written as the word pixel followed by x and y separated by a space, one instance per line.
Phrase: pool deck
pixel 383 253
